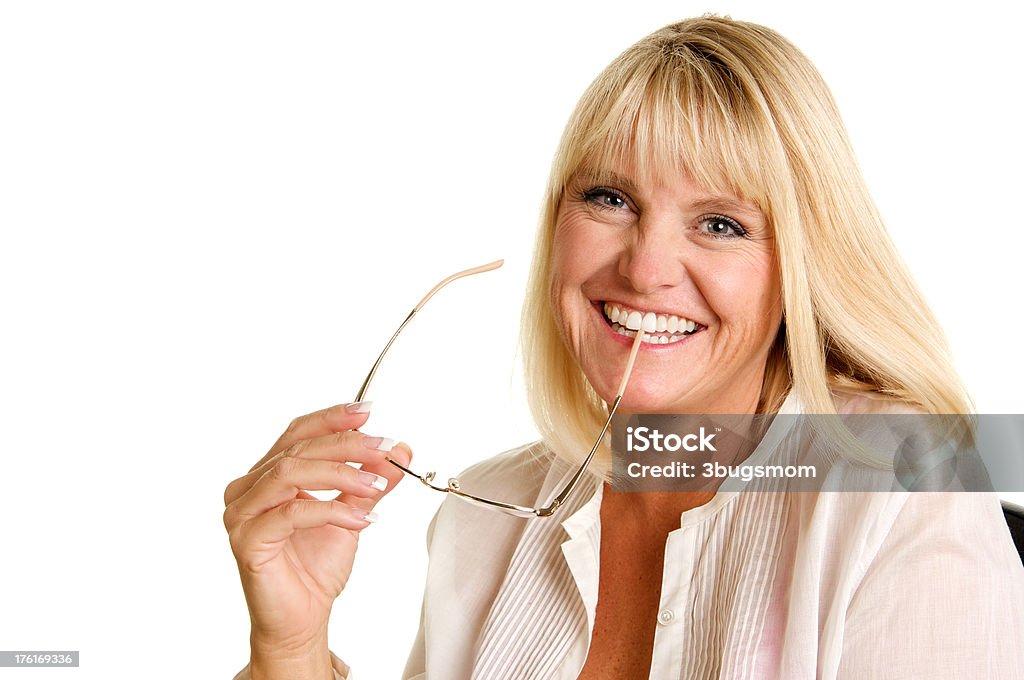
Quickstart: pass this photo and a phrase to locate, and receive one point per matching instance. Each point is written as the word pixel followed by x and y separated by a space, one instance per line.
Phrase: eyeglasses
pixel 454 487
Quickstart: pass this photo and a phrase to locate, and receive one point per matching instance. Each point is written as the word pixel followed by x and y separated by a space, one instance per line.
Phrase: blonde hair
pixel 742 110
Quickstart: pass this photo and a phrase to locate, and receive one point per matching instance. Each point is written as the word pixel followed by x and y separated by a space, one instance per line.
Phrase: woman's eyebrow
pixel 727 205
pixel 607 177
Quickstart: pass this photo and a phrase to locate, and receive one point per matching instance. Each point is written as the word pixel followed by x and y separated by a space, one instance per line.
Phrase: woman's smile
pixel 660 328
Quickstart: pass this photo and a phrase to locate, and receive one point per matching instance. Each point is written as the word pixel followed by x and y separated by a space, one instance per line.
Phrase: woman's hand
pixel 295 552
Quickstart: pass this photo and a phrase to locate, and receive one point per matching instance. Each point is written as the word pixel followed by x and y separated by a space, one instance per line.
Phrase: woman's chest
pixel 692 600
pixel 629 589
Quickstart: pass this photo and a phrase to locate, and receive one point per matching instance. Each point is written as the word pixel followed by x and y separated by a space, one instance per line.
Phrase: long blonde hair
pixel 742 110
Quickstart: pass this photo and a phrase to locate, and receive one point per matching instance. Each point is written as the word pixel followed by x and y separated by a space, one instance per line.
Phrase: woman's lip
pixel 628 342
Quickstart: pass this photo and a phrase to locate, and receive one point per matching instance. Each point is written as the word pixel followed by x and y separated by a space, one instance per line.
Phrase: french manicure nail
pixel 370 517
pixel 376 481
pixel 379 443
pixel 358 407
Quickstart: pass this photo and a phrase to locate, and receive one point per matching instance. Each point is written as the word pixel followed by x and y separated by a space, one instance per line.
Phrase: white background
pixel 214 214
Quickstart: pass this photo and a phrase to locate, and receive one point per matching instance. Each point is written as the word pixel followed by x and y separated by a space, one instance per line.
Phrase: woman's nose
pixel 653 258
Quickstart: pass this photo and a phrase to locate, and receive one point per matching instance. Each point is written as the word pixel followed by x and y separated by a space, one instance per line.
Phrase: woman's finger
pixel 325 421
pixel 348 446
pixel 402 455
pixel 289 476
pixel 284 520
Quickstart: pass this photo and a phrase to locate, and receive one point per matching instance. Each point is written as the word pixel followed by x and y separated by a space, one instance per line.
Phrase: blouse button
pixel 665 617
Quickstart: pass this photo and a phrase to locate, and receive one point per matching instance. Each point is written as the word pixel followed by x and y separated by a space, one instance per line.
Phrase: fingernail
pixel 370 517
pixel 379 443
pixel 358 407
pixel 406 447
pixel 376 481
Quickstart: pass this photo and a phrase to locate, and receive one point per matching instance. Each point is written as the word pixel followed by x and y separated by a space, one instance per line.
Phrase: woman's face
pixel 699 266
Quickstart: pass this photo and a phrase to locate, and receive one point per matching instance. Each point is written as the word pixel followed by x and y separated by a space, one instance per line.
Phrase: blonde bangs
pixel 661 114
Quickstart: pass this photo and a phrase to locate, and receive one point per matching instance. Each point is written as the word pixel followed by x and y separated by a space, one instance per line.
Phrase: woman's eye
pixel 605 198
pixel 720 226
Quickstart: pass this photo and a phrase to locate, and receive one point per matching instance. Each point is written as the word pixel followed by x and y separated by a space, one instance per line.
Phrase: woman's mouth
pixel 659 329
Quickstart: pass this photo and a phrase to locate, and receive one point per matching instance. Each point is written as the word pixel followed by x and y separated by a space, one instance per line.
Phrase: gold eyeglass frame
pixel 454 486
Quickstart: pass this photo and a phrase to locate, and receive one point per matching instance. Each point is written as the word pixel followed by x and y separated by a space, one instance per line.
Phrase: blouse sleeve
pixel 341 670
pixel 943 598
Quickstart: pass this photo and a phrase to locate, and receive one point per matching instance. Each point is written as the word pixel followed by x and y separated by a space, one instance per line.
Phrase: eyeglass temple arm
pixel 490 266
pixel 560 498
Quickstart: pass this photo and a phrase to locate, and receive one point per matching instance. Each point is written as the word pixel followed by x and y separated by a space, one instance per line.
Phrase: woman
pixel 704 192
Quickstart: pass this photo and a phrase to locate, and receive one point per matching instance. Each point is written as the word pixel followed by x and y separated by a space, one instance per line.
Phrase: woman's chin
pixel 640 401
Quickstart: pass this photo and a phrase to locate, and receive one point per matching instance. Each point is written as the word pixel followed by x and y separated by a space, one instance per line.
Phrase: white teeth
pixel 632 320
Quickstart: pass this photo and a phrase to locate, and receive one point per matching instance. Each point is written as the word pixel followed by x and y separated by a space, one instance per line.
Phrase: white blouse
pixel 756 584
